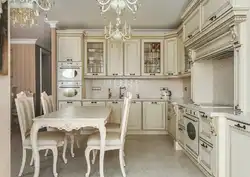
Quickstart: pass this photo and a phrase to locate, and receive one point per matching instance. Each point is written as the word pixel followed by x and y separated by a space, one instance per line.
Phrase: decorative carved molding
pixel 235 36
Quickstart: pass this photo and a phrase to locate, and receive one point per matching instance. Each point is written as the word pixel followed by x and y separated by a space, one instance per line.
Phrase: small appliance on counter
pixel 166 93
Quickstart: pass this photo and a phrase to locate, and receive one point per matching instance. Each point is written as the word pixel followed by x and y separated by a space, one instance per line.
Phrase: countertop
pixel 211 110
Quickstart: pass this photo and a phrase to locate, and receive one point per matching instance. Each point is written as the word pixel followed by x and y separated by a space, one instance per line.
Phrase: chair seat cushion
pixel 112 138
pixel 47 138
pixel 112 127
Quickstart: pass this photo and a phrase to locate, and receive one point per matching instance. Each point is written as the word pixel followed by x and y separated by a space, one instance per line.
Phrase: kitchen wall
pixel 186 87
pixel 146 88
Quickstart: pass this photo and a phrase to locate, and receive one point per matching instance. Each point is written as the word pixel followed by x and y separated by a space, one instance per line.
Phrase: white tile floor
pixel 146 156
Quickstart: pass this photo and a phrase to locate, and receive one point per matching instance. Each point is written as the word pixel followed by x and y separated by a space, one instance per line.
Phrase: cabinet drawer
pixel 93 103
pixel 212 10
pixel 192 25
pixel 65 104
pixel 206 156
pixel 239 126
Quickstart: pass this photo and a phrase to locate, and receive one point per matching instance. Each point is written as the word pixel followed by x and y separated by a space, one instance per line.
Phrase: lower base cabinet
pixel 238 154
pixel 154 115
pixel 135 116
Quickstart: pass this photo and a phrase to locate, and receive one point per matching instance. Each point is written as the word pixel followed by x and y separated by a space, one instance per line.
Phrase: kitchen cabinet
pixel 170 62
pixel 191 25
pixel 93 103
pixel 238 149
pixel 132 60
pixel 212 10
pixel 116 111
pixel 69 48
pixel 180 55
pixel 65 104
pixel 207 157
pixel 172 118
pixel 95 53
pixel 115 58
pixel 152 57
pixel 154 116
pixel 135 116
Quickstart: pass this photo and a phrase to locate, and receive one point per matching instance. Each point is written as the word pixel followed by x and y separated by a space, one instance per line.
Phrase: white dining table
pixel 72 118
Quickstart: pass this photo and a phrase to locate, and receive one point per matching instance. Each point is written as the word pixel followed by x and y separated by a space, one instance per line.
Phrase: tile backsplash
pixel 145 88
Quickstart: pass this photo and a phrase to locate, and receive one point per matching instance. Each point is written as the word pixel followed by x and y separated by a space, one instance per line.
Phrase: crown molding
pixel 52 24
pixel 70 31
pixel 22 41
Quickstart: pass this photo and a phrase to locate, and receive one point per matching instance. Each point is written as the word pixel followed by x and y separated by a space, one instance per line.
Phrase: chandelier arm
pixel 103 3
pixel 130 8
pixel 132 2
pixel 106 9
pixel 40 5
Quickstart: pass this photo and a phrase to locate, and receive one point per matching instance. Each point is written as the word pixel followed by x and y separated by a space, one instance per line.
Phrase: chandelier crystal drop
pixel 118 5
pixel 117 33
pixel 26 12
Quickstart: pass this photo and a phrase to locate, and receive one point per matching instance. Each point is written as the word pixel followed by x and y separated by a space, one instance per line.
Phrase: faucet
pixel 110 94
pixel 121 95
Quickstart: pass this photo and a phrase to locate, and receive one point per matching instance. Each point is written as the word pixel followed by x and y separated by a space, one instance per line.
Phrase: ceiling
pixel 85 14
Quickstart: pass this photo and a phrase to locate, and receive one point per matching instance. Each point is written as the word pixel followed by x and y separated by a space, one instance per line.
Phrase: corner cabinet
pixel 132 60
pixel 69 48
pixel 170 55
pixel 238 149
pixel 152 57
pixel 95 53
pixel 154 116
pixel 115 58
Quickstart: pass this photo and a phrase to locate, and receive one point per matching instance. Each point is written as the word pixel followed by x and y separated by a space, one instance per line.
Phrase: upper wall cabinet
pixel 181 67
pixel 132 58
pixel 95 57
pixel 191 25
pixel 152 57
pixel 69 48
pixel 212 9
pixel 170 52
pixel 115 58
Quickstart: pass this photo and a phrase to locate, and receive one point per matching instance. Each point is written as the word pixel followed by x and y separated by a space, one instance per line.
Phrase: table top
pixel 77 112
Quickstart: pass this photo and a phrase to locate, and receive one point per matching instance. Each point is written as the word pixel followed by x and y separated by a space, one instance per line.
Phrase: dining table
pixel 68 119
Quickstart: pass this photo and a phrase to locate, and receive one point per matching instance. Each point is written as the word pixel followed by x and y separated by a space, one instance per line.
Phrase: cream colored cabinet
pixel 181 67
pixel 154 116
pixel 191 25
pixel 95 61
pixel 132 60
pixel 213 9
pixel 152 57
pixel 135 116
pixel 170 62
pixel 115 58
pixel 65 104
pixel 238 149
pixel 93 103
pixel 116 111
pixel 69 48
pixel 172 120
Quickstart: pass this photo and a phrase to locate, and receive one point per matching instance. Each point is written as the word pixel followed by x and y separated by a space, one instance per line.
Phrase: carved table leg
pixel 35 150
pixel 102 130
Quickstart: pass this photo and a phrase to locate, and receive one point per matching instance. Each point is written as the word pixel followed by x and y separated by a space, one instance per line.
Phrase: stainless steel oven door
pixel 67 91
pixel 191 134
pixel 69 72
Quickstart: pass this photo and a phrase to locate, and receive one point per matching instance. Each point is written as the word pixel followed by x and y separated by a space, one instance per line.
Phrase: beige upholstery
pixel 112 138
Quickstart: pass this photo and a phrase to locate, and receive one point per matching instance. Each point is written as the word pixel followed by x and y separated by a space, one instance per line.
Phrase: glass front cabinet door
pixel 95 57
pixel 152 57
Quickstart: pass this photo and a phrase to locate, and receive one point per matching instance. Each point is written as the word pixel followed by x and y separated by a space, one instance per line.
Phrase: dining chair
pixel 48 107
pixel 45 140
pixel 113 141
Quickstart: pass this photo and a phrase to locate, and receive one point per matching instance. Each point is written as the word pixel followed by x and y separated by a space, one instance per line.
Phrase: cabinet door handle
pixel 203 145
pixel 190 36
pixel 94 74
pixel 180 129
pixel 69 59
pixel 132 74
pixel 69 102
pixel 152 74
pixel 213 18
pixel 170 74
pixel 154 102
pixel 93 102
pixel 239 126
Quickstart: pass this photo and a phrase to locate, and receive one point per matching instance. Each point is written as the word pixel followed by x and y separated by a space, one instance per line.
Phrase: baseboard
pixel 131 132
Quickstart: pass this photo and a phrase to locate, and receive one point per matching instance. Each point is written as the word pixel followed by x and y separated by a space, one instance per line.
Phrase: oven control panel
pixel 191 112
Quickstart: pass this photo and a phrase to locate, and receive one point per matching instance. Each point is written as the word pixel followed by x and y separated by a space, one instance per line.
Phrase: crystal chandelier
pixel 1 9
pixel 118 5
pixel 116 33
pixel 25 12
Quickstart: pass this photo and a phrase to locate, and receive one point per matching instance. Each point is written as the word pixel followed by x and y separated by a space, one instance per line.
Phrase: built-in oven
pixel 69 71
pixel 191 121
pixel 69 91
